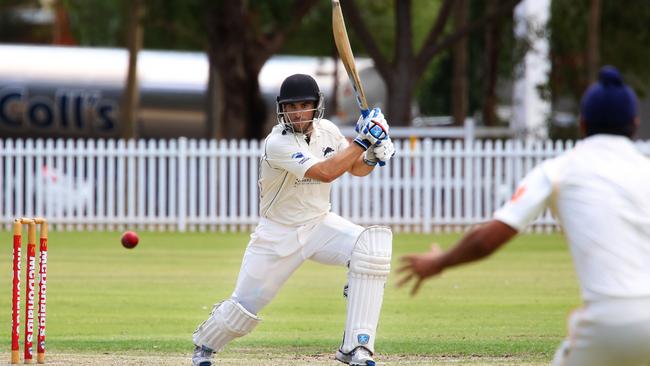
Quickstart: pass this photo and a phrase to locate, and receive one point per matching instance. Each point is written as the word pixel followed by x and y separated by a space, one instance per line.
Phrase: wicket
pixel 30 279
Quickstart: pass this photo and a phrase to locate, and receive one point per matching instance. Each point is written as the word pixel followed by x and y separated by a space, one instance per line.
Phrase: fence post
pixel 469 131
pixel 427 184
pixel 182 184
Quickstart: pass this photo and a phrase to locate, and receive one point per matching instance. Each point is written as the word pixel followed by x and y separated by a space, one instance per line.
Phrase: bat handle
pixel 365 113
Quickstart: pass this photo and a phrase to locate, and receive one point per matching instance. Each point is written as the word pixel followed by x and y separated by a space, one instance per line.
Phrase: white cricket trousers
pixel 275 251
pixel 613 332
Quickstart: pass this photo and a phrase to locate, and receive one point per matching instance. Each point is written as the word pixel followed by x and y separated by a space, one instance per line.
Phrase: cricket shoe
pixel 202 356
pixel 359 357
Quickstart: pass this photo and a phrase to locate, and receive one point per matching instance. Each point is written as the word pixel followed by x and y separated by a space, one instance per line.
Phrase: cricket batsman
pixel 301 156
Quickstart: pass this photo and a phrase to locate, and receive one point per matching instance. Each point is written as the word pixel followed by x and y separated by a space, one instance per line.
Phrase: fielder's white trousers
pixel 275 251
pixel 611 332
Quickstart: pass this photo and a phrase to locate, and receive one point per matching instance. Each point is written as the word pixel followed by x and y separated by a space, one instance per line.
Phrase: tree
pixel 490 68
pixel 239 36
pixel 242 36
pixel 406 68
pixel 593 33
pixel 98 22
pixel 131 98
pixel 459 55
pixel 61 34
pixel 623 40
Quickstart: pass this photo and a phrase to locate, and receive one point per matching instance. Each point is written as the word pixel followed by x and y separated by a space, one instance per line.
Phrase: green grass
pixel 104 298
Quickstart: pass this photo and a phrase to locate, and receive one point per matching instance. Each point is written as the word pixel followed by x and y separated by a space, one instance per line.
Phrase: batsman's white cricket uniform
pixel 600 193
pixel 296 224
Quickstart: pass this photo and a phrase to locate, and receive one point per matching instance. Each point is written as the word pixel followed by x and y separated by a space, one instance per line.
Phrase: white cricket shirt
pixel 286 196
pixel 600 193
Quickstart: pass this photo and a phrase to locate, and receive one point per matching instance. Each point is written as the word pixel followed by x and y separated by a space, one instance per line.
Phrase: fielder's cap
pixel 609 103
pixel 298 88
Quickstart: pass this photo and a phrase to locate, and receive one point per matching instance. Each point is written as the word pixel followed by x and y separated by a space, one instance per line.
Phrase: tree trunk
pixel 241 109
pixel 131 97
pixel 593 36
pixel 400 90
pixel 230 53
pixel 238 50
pixel 214 104
pixel 400 96
pixel 401 85
pixel 61 34
pixel 459 82
pixel 491 66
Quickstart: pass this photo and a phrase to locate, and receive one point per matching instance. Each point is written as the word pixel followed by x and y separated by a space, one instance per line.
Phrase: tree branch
pixel 271 42
pixel 404 34
pixel 423 57
pixel 427 55
pixel 403 51
pixel 355 20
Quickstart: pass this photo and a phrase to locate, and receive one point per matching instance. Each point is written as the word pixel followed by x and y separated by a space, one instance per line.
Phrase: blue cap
pixel 609 103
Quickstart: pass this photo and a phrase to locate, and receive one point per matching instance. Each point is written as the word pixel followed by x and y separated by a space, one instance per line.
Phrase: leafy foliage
pixel 177 25
pixel 98 22
pixel 624 40
pixel 434 94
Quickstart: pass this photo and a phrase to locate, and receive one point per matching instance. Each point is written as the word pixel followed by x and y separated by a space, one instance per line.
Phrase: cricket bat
pixel 347 57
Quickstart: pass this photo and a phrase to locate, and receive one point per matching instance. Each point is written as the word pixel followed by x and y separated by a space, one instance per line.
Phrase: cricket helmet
pixel 299 88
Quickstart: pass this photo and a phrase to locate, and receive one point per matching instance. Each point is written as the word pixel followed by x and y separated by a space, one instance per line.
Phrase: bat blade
pixel 347 57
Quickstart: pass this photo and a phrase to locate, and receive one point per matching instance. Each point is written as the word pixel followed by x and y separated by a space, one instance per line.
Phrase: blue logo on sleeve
pixel 300 157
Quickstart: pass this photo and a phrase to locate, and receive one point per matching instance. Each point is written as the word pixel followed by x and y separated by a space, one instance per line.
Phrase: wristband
pixel 369 162
pixel 365 144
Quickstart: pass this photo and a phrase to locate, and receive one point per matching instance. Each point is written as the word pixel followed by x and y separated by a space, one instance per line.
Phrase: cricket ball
pixel 130 239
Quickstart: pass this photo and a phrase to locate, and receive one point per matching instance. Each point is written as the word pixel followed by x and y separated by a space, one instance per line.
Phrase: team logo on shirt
pixel 300 157
pixel 520 191
pixel 328 151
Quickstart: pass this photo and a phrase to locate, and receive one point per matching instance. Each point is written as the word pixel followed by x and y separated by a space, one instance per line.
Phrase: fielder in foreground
pixel 301 157
pixel 600 193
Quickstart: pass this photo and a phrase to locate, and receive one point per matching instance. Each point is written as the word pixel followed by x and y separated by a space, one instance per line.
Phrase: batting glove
pixel 371 129
pixel 370 158
pixel 383 151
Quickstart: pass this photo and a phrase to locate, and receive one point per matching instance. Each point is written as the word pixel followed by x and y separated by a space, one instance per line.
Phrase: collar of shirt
pixel 315 133
pixel 607 142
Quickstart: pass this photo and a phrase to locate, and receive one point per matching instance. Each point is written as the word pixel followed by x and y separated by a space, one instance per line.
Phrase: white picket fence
pixel 182 184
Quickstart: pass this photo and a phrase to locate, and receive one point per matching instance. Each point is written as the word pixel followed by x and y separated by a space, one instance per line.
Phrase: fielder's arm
pixel 479 243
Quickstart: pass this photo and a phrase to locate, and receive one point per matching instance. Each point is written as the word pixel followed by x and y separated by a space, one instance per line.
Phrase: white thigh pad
pixel 369 268
pixel 228 320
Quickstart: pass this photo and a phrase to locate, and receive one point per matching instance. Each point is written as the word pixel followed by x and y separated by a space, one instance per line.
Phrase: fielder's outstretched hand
pixel 420 267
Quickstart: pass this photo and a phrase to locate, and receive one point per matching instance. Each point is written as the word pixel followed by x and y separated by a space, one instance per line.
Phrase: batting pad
pixel 228 320
pixel 369 268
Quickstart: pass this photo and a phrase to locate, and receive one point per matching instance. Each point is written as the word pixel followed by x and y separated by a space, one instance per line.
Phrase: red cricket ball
pixel 130 239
